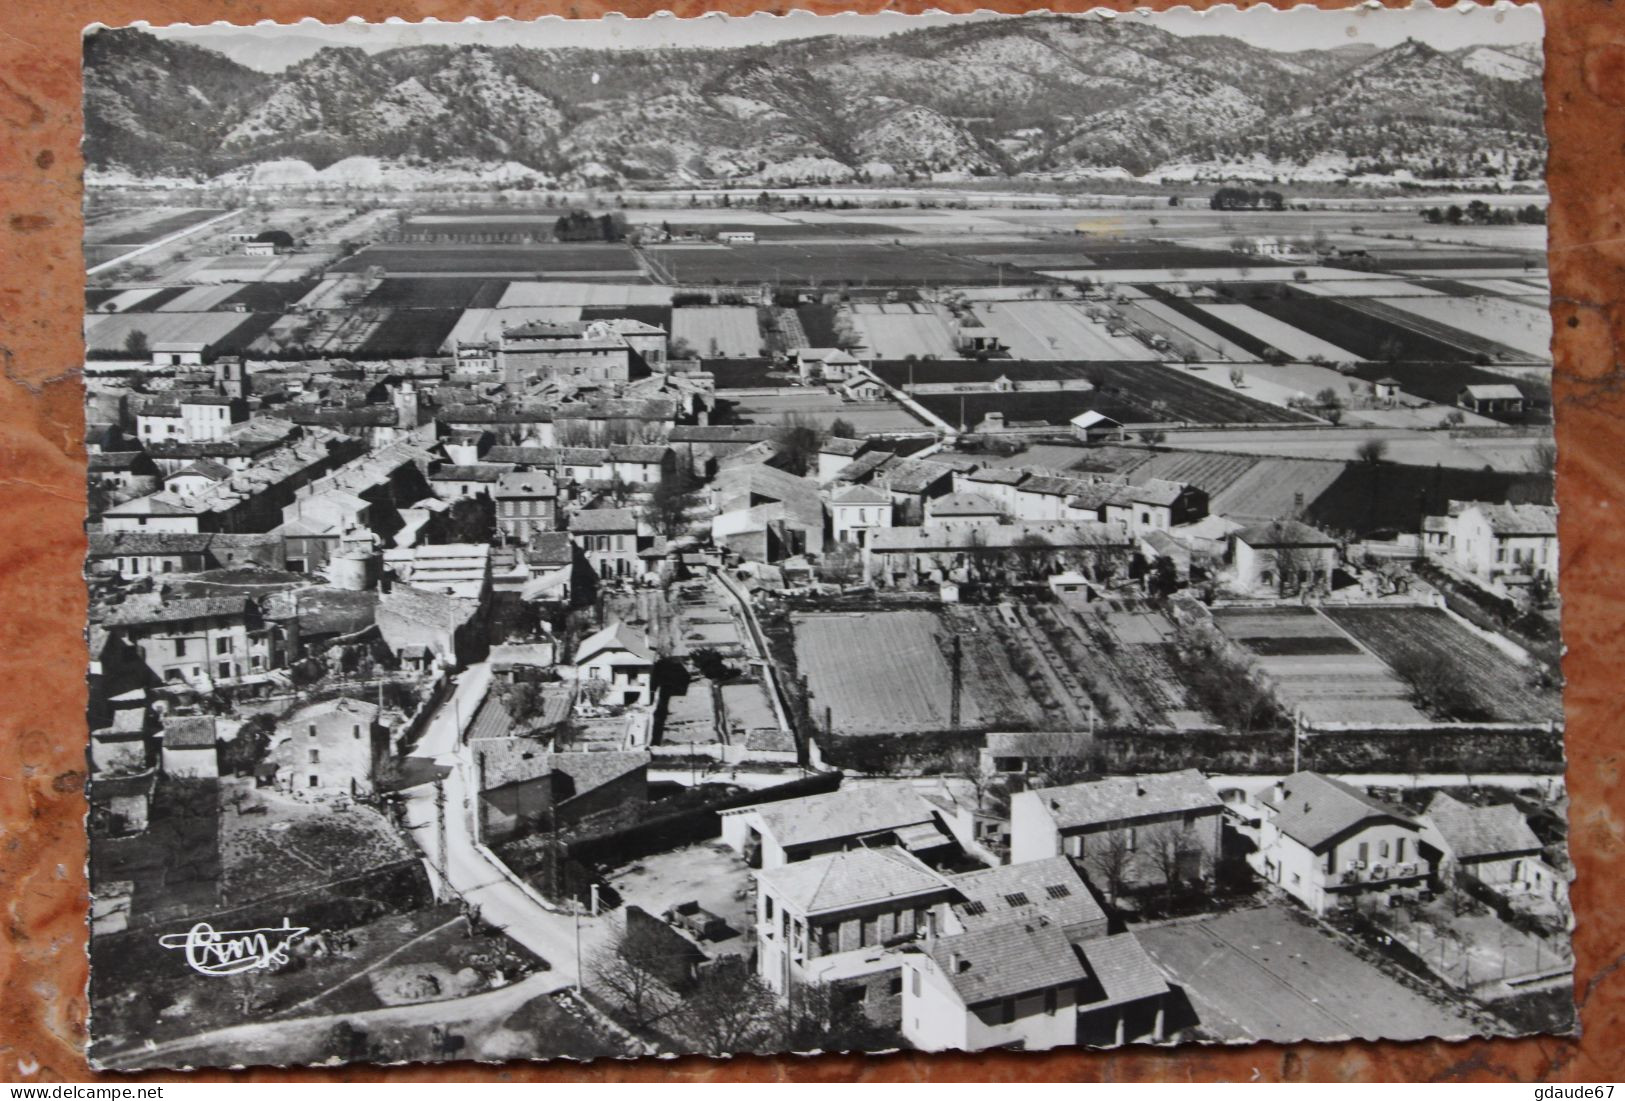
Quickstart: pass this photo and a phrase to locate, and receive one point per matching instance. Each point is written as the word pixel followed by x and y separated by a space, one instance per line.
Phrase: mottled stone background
pixel 42 603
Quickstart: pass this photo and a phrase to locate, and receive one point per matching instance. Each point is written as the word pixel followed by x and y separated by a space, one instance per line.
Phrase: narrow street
pixel 440 817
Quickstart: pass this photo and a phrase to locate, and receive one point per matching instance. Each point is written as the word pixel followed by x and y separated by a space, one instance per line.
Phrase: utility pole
pixel 440 829
pixel 957 682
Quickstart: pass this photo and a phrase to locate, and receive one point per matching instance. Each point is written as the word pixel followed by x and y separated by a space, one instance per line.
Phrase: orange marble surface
pixel 42 603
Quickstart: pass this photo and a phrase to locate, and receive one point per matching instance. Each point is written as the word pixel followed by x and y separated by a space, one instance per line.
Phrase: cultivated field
pixel 147 226
pixel 402 334
pixel 1134 393
pixel 724 332
pixel 1267 974
pixel 545 261
pixel 437 292
pixel 1489 684
pixel 564 293
pixel 1057 330
pixel 879 672
pixel 853 262
pixel 1312 667
pixel 108 334
pixel 1514 324
pixel 1293 341
pixel 895 330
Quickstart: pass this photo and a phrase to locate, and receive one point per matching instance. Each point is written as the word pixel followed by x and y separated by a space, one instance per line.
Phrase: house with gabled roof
pixel 621 661
pixel 1028 984
pixel 1493 844
pixel 1128 820
pixel 856 511
pixel 1325 842
pixel 769 835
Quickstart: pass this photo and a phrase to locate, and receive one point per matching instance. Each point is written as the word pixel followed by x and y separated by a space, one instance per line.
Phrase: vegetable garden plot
pixel 199 299
pixel 271 297
pixel 730 332
pixel 567 293
pixel 1483 677
pixel 108 334
pixel 1367 333
pixel 894 335
pixel 878 673
pixel 855 262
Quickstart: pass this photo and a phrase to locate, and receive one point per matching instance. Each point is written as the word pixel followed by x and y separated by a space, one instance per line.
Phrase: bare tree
pixel 1108 859
pixel 625 971
pixel 1170 846
pixel 729 1009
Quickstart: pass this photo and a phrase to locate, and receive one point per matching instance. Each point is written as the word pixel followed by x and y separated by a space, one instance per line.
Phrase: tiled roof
pixel 155 504
pixel 1016 892
pixel 550 548
pixel 1071 533
pixel 860 495
pixel 191 732
pixel 110 544
pixel 530 483
pixel 1004 960
pixel 604 519
pixel 721 433
pixel 516 760
pixel 842 881
pixel 1287 533
pixel 639 453
pixel 472 472
pixel 617 636
pixel 1478 832
pixel 1314 810
pixel 1494 392
pixel 115 460
pixel 1122 970
pixel 1519 519
pixel 856 811
pixel 491 720
pixel 144 610
pixel 965 504
pixel 914 475
pixel 1124 798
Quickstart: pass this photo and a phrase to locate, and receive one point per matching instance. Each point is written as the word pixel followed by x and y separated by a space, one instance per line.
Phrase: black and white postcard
pixel 619 538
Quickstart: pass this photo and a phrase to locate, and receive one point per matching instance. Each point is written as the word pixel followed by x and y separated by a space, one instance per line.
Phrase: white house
pixel 1493 845
pixel 1326 842
pixel 1131 817
pixel 769 835
pixel 857 511
pixel 1283 553
pixel 1027 984
pixel 620 659
pixel 1496 541
pixel 830 918
pixel 825 364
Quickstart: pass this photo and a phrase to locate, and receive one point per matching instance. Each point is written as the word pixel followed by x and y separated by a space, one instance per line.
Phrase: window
pixel 311 730
pixel 222 645
pixel 1399 850
pixel 223 670
pixel 767 907
pixel 914 982
pixel 1058 890
pixel 180 647
pixel 313 780
pixel 315 756
pixel 974 908
pixel 355 732
pixel 1365 852
pixel 1133 838
pixel 894 987
pixel 1382 849
pixel 1017 898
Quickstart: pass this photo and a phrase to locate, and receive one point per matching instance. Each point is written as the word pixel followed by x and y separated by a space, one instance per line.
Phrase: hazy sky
pixel 1299 28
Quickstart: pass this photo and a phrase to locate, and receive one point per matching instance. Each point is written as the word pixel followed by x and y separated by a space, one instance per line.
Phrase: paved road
pixel 468 870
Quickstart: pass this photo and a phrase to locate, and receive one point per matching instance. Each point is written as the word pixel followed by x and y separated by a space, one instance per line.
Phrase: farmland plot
pixel 1517 325
pixel 895 331
pixel 879 673
pixel 719 332
pixel 565 293
pixel 1293 341
pixel 107 334
pixel 1487 677
pixel 551 261
pixel 200 299
pixel 1181 330
pixel 1057 330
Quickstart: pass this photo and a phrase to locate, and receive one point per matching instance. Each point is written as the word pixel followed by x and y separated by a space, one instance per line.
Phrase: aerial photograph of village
pixel 820 535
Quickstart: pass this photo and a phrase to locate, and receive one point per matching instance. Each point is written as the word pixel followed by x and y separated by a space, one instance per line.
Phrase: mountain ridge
pixel 1044 96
